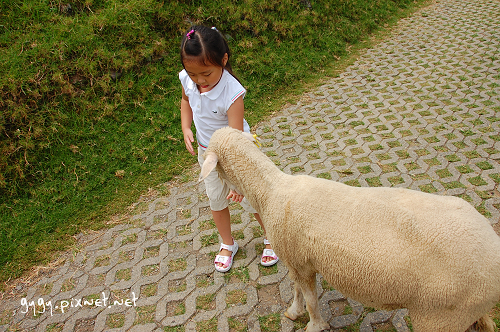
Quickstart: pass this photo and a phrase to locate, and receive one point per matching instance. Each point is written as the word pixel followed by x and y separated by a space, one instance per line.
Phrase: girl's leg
pixel 222 221
pixel 217 193
pixel 268 246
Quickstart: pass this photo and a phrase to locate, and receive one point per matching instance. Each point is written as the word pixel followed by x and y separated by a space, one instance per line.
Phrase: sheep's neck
pixel 256 180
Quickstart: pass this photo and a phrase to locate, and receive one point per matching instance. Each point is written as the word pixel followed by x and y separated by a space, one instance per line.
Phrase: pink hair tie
pixel 189 34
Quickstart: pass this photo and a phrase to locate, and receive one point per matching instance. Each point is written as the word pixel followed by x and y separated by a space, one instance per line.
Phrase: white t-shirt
pixel 210 108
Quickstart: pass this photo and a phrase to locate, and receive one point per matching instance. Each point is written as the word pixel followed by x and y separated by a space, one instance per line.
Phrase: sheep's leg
pixel 483 324
pixel 305 289
pixel 316 322
pixel 297 308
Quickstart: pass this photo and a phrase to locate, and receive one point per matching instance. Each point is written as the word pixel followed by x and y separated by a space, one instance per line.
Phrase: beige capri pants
pixel 217 190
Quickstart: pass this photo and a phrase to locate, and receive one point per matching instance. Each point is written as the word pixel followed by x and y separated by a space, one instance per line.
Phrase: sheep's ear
pixel 208 165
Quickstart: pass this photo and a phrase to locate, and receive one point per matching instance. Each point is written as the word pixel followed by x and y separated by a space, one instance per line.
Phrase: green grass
pixel 495 313
pixel 270 323
pixel 89 98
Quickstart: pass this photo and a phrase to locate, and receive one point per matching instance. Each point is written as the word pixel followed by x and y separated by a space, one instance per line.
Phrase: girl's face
pixel 205 76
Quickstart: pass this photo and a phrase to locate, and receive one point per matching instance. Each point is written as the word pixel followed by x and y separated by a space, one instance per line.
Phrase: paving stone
pixel 419 110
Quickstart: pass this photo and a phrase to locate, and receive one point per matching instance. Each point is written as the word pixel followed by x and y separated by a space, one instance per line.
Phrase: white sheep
pixel 387 248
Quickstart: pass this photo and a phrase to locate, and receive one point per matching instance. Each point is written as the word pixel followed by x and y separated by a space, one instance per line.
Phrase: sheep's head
pixel 223 140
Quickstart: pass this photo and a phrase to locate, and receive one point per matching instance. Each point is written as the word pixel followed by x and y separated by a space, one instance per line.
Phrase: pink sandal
pixel 268 253
pixel 226 261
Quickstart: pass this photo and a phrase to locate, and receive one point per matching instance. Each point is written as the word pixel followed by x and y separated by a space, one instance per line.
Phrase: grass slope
pixel 89 98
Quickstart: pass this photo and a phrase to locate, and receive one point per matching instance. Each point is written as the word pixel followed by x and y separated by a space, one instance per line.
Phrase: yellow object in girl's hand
pixel 256 141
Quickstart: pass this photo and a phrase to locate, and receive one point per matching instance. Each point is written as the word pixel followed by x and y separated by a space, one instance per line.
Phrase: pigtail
pixel 228 66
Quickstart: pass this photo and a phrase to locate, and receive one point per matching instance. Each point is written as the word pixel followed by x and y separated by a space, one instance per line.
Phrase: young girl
pixel 213 98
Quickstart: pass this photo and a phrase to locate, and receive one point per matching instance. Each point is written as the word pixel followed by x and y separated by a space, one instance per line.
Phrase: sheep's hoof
pixel 317 327
pixel 291 317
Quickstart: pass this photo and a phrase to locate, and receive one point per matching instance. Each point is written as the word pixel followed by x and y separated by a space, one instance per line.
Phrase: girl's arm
pixel 186 122
pixel 235 119
pixel 235 114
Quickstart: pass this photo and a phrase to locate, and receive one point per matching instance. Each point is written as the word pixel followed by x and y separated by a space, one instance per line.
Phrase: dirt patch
pixel 84 325
pixel 269 302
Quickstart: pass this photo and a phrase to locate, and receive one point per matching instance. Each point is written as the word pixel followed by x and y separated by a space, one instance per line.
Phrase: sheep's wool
pixel 384 247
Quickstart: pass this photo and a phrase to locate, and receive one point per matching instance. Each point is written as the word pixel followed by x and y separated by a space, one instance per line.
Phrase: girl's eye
pixel 206 75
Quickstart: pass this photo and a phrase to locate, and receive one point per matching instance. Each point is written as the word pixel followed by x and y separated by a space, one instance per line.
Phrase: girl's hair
pixel 208 45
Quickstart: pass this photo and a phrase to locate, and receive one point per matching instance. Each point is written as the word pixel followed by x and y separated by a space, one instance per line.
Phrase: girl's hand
pixel 188 140
pixel 235 196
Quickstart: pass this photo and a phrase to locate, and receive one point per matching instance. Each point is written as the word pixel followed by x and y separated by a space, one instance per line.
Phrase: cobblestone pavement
pixel 420 110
